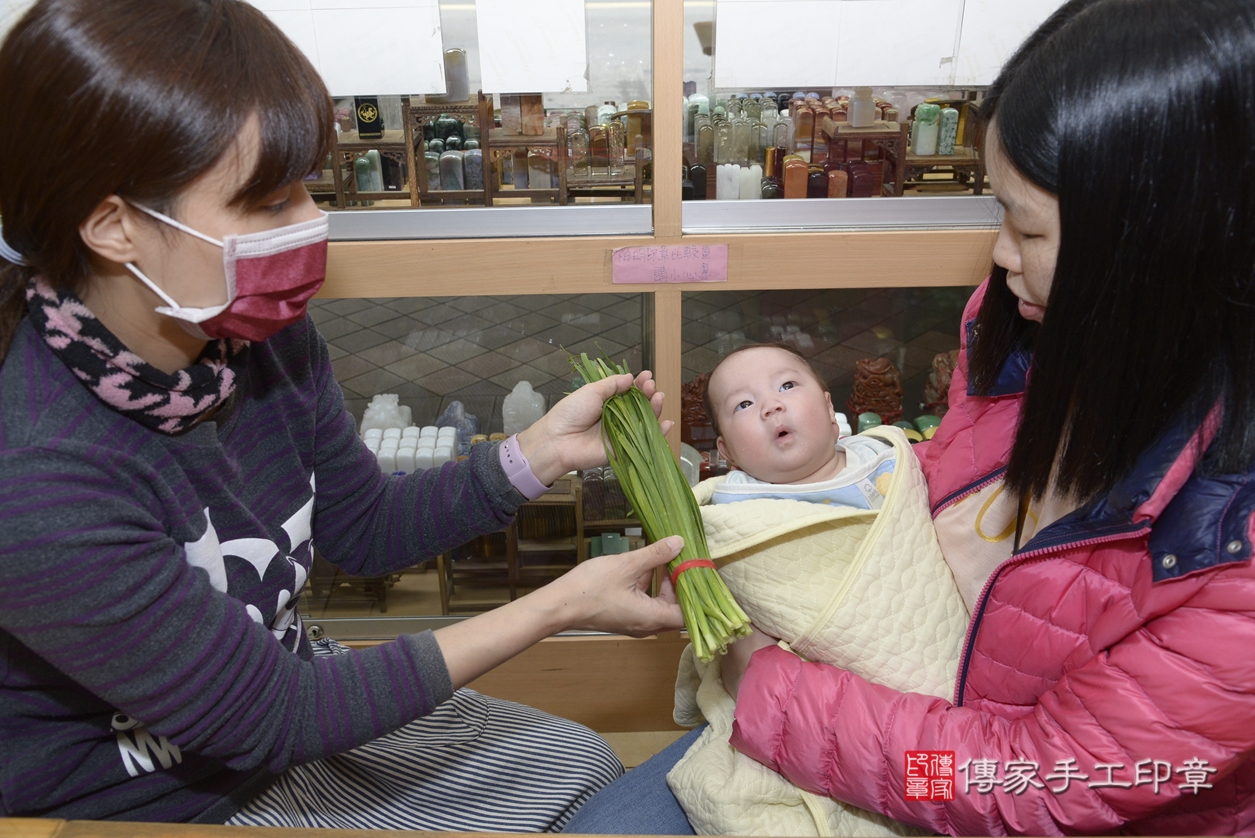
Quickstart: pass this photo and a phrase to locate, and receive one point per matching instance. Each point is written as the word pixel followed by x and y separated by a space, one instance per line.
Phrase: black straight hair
pixel 139 98
pixel 1139 115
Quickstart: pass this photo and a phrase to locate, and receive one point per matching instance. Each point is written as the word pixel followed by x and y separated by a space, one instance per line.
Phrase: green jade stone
pixel 363 177
pixel 451 175
pixel 431 160
pixel 866 421
pixel 927 421
pixel 447 126
pixel 376 170
pixel 473 167
pixel 949 131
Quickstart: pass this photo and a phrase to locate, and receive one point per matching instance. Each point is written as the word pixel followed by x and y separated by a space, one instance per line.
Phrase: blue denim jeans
pixel 639 802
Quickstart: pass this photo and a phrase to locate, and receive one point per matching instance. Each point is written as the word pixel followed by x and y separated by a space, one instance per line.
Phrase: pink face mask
pixel 270 277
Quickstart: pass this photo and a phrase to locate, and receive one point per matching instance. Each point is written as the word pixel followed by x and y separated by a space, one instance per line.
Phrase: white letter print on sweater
pixel 209 555
pixel 138 747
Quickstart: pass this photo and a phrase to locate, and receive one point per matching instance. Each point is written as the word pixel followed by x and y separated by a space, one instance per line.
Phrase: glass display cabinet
pixel 675 92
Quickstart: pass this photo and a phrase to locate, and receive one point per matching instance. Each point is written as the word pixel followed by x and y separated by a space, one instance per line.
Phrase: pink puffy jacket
pixel 1118 644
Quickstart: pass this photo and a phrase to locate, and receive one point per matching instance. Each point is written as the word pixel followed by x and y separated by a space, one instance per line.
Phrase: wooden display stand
pixel 560 510
pixel 889 137
pixel 544 529
pixel 348 147
pixel 522 127
pixel 965 163
pixel 628 186
pixel 488 569
pixel 405 147
pixel 415 117
pixel 551 144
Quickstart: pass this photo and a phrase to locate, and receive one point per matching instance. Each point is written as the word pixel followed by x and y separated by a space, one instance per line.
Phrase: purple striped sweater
pixel 152 666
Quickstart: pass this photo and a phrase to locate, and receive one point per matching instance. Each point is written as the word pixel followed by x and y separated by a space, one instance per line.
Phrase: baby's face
pixel 776 421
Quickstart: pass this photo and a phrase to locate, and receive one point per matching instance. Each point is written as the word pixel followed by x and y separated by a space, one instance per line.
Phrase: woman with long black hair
pixel 1093 484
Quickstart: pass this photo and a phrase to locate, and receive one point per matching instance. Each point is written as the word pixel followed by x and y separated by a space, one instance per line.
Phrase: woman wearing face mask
pixel 172 442
pixel 1093 484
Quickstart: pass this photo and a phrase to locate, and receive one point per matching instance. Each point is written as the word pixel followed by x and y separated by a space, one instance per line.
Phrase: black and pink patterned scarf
pixel 123 380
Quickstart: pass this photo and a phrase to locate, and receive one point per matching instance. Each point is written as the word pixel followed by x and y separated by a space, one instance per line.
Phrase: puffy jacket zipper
pixel 960 684
pixel 967 491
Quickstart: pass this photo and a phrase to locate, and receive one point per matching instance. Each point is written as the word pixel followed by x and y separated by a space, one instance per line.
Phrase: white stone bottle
pixel 862 112
pixel 521 408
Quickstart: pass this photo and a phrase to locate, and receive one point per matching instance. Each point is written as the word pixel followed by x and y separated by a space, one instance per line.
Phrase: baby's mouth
pixel 781 433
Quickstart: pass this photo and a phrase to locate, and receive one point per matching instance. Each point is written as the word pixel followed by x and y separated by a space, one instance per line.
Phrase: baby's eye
pixel 744 404
pixel 788 385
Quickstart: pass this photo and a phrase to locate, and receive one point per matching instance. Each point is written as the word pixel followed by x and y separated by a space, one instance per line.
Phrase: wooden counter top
pixel 39 828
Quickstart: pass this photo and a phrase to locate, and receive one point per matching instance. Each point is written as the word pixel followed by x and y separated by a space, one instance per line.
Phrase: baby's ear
pixel 723 451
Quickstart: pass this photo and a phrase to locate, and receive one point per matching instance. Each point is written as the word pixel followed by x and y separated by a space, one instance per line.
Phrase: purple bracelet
pixel 519 471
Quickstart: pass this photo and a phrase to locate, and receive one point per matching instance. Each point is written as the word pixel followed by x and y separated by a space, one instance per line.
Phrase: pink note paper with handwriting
pixel 670 263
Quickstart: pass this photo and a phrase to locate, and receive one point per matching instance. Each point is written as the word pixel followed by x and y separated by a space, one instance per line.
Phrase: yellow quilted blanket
pixel 867 591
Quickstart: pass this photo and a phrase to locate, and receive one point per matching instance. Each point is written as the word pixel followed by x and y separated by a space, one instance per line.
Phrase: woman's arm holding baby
pixel 734 663
pixel 835 733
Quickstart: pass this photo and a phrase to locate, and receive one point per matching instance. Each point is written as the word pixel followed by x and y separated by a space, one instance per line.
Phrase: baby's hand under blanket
pixel 737 658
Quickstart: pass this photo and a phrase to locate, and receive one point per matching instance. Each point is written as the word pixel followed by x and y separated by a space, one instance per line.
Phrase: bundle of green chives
pixel 655 486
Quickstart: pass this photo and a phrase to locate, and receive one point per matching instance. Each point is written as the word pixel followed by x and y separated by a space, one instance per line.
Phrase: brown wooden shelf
pixel 546 545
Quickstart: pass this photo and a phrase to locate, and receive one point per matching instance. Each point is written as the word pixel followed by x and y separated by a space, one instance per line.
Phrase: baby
pixel 776 427
pixel 851 576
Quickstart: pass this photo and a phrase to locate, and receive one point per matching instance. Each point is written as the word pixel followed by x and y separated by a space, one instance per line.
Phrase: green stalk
pixel 659 494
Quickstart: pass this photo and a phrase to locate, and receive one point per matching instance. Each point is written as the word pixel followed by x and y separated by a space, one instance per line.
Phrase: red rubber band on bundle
pixel 683 566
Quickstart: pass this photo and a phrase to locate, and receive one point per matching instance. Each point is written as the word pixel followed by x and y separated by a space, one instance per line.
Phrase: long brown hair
pixel 138 99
